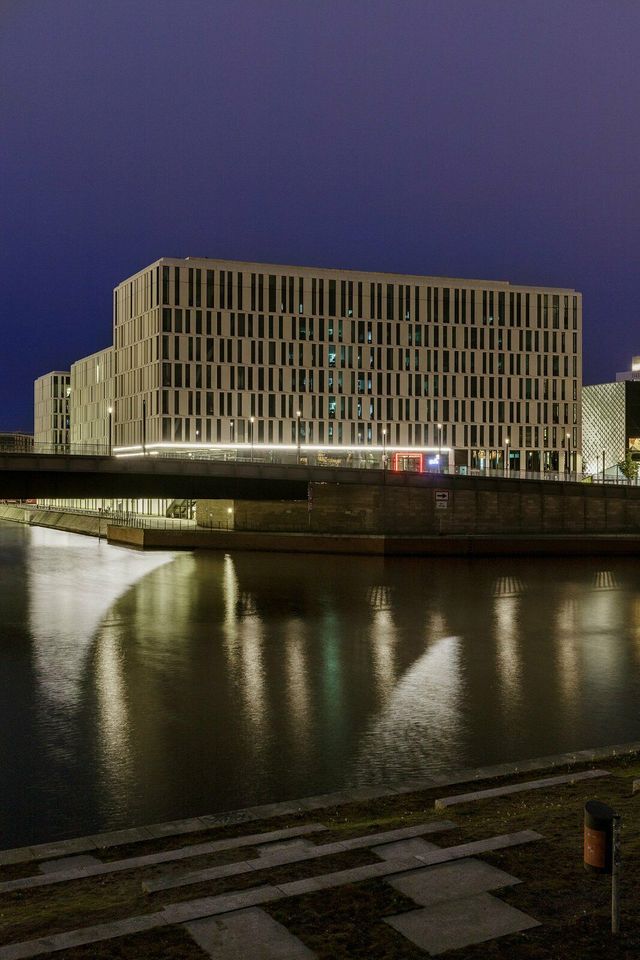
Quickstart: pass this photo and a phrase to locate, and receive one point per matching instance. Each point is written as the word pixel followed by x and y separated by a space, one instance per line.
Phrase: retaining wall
pixel 448 505
pixel 56 520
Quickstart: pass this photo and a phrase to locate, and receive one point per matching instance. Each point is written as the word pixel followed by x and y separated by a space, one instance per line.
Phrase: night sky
pixel 493 139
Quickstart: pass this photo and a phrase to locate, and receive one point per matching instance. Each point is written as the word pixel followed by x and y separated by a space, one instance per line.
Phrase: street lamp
pixel 439 446
pixel 251 434
pixel 110 411
pixel 298 415
pixel 384 449
pixel 507 465
pixel 569 453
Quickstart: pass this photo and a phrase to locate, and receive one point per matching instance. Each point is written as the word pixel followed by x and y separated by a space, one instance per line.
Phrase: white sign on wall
pixel 442 499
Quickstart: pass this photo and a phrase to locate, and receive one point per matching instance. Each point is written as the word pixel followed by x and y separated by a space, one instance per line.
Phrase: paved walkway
pixel 566 779
pixel 454 893
pixel 82 867
pixel 207 907
pixel 247 935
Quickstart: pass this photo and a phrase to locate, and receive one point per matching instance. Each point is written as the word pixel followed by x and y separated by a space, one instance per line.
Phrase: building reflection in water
pixel 73 581
pixel 421 720
pixel 253 681
pixel 297 683
pixel 115 741
pixel 221 681
pixel 507 603
pixel 568 646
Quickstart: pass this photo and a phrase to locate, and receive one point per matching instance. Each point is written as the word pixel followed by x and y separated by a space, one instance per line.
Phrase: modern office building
pixel 227 354
pixel 611 425
pixel 91 399
pixel 16 442
pixel 633 374
pixel 51 409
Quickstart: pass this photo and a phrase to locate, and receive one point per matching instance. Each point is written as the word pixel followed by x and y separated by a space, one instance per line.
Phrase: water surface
pixel 139 687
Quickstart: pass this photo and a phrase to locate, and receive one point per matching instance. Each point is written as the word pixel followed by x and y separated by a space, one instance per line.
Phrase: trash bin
pixel 598 837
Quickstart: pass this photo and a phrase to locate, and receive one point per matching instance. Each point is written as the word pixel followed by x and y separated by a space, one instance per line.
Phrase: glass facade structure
pixel 51 409
pixel 223 353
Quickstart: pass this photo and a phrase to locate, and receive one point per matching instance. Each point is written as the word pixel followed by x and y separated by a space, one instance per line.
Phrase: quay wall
pixel 453 506
pixel 87 524
pixel 380 546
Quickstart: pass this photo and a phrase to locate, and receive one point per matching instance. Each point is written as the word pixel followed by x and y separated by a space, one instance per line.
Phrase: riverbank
pixel 499 545
pixel 87 524
pixel 447 545
pixel 347 875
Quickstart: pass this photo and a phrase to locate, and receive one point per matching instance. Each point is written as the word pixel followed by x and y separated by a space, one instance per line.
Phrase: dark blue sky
pixel 472 138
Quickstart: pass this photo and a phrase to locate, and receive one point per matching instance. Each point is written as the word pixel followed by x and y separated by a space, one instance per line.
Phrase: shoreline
pixel 194 824
pixel 382 545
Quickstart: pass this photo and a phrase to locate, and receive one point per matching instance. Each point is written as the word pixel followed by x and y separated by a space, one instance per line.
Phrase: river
pixel 140 687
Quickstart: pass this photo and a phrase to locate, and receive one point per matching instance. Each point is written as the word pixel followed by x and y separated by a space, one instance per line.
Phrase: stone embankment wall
pixel 69 522
pixel 454 506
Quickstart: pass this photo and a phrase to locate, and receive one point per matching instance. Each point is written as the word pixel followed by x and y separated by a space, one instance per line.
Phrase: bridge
pixel 77 476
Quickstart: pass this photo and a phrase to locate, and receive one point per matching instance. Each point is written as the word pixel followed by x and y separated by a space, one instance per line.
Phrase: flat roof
pixel 330 272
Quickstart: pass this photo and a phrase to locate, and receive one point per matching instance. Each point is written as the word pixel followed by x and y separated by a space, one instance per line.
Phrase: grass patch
pixel 168 943
pixel 348 922
pixel 143 847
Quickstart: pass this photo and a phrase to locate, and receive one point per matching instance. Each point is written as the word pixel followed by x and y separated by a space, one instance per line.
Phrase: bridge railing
pixel 58 449
pixel 363 459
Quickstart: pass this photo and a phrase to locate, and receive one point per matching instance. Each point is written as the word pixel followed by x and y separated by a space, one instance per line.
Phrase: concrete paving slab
pixel 450 881
pixel 171 880
pixel 247 933
pixel 460 923
pixel 401 833
pixel 68 863
pixel 117 837
pixel 16 855
pixel 62 848
pixel 228 819
pixel 505 791
pixel 98 868
pixel 280 847
pixel 326 881
pixel 284 857
pixel 84 935
pixel 339 798
pixel 223 903
pixel 267 810
pixel 474 847
pixel 176 827
pixel 371 792
pixel 296 855
pixel 413 847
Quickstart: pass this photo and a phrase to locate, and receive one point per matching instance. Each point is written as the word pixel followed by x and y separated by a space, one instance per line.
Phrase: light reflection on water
pixel 142 687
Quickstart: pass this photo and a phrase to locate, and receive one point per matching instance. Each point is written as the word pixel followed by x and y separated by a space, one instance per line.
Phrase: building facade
pixel 611 425
pixel 51 409
pixel 91 399
pixel 633 373
pixel 16 442
pixel 231 354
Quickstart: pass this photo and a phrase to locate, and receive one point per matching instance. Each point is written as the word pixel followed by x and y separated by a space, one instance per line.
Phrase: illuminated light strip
pixel 284 447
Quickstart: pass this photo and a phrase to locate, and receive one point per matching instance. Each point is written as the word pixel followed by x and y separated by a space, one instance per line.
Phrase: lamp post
pixel 298 415
pixel 569 461
pixel 251 435
pixel 384 449
pixel 507 465
pixel 110 411
pixel 144 427
pixel 439 446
